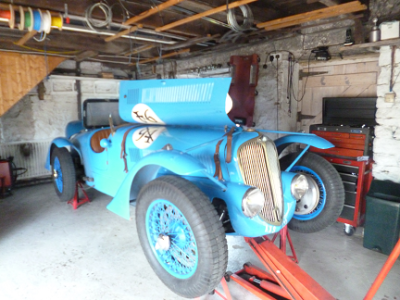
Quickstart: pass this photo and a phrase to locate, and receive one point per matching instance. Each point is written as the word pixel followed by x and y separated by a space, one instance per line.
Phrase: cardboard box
pixel 389 30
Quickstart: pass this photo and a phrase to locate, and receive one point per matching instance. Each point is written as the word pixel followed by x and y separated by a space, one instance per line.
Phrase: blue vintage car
pixel 194 175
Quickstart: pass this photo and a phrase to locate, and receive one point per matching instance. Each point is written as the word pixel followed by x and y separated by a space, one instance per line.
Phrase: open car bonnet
pixel 203 101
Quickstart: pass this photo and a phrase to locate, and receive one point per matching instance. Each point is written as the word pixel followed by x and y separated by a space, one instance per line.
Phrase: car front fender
pixel 305 138
pixel 243 225
pixel 148 169
pixel 60 142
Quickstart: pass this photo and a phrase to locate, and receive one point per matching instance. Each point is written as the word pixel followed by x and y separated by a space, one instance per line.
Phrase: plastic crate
pixel 382 223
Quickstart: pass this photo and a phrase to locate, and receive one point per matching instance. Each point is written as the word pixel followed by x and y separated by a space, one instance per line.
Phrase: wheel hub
pixel 310 199
pixel 163 242
pixel 55 174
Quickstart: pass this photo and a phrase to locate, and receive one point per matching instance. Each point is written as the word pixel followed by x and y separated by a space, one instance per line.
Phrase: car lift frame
pixel 285 279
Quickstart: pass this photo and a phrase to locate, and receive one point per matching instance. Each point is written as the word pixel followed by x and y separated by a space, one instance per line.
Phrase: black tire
pixel 209 235
pixel 64 185
pixel 335 195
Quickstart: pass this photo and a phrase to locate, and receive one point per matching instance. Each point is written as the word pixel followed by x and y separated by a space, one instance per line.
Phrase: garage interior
pixel 306 52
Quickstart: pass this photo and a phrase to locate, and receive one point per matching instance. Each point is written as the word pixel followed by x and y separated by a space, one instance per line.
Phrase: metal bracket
pixel 303 74
pixel 301 117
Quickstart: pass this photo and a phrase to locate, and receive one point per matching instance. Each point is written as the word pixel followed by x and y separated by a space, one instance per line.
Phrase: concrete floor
pixel 50 251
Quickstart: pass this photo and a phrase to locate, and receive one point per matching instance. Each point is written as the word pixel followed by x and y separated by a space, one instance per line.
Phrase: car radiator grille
pixel 258 161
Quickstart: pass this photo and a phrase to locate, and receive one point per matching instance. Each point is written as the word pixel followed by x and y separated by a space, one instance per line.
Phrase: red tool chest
pixel 349 141
pixel 348 124
pixel 5 177
pixel 357 178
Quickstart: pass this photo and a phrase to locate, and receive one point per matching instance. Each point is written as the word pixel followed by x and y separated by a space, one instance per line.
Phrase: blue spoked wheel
pixel 181 236
pixel 322 204
pixel 57 174
pixel 63 173
pixel 171 239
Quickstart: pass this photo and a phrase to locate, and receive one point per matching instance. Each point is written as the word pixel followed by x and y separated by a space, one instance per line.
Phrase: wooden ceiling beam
pixel 300 20
pixel 191 42
pixel 123 32
pixel 26 37
pixel 140 49
pixel 175 53
pixel 204 14
pixel 314 13
pixel 152 11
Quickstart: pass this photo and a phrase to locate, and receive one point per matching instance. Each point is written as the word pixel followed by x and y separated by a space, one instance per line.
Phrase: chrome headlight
pixel 299 186
pixel 252 202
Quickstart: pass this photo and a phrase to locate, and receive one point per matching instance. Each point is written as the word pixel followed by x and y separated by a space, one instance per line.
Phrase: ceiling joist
pixel 175 53
pixel 152 11
pixel 123 32
pixel 140 49
pixel 323 13
pixel 204 14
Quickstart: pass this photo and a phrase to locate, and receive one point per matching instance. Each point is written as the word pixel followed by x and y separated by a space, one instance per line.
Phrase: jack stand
pixel 76 201
pixel 283 234
pixel 225 289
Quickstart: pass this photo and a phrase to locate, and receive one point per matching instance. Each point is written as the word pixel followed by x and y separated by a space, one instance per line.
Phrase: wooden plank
pixel 371 91
pixel 140 49
pixel 359 91
pixel 20 73
pixel 309 14
pixel 343 80
pixel 390 42
pixel 361 67
pixel 338 12
pixel 86 54
pixel 338 61
pixel 26 38
pixel 152 11
pixel 163 56
pixel 123 32
pixel 204 14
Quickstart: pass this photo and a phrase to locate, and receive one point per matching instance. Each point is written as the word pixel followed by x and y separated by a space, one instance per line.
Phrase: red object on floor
pixel 384 271
pixel 227 295
pixel 226 290
pixel 76 201
pixel 287 275
pixel 283 234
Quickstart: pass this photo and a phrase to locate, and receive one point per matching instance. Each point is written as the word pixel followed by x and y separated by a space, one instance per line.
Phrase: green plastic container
pixel 382 220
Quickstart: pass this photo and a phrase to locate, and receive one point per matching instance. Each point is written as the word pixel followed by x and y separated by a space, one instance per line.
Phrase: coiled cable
pixel 94 24
pixel 248 19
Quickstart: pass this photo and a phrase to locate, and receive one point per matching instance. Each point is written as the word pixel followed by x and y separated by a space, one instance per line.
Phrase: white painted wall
pixel 387 142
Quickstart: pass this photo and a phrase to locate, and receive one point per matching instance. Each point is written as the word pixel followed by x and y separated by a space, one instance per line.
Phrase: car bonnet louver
pixel 186 102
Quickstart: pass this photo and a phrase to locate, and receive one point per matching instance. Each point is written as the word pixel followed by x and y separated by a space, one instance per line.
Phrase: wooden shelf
pixel 390 42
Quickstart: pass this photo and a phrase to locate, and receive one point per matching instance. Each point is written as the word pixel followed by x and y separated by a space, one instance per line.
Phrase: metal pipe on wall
pixel 108 33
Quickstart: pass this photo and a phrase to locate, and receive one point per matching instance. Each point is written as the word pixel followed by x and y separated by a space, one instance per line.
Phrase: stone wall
pixel 32 119
pixel 387 140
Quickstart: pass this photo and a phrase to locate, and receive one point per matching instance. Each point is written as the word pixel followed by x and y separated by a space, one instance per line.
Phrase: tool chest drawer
pixel 356 177
pixel 338 152
pixel 348 141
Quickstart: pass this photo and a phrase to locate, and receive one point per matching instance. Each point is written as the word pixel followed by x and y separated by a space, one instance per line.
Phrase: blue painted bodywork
pixel 154 149
pixel 73 128
pixel 60 142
